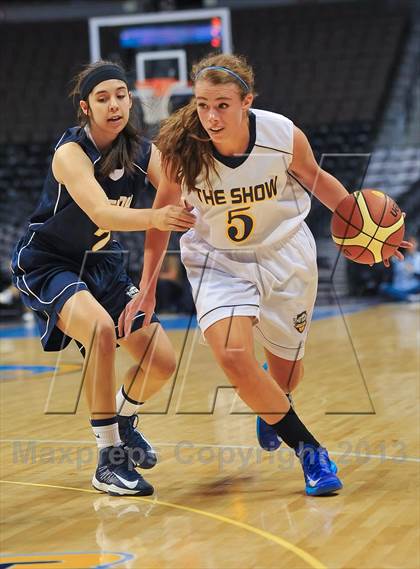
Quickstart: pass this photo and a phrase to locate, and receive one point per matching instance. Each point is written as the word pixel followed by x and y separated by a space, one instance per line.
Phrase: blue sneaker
pixel 267 437
pixel 117 475
pixel 269 440
pixel 319 476
pixel 140 450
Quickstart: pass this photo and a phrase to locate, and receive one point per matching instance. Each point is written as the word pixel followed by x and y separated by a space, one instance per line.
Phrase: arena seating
pixel 393 169
pixel 332 63
pixel 38 60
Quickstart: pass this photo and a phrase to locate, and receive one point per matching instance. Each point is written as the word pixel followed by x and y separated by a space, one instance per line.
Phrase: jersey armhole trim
pixel 58 143
pixel 300 183
pixel 275 149
pixel 140 168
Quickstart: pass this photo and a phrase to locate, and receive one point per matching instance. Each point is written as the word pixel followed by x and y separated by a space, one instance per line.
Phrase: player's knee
pixel 236 363
pixel 104 336
pixel 164 367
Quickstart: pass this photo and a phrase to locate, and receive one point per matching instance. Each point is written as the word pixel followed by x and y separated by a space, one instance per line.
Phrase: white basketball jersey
pixel 256 203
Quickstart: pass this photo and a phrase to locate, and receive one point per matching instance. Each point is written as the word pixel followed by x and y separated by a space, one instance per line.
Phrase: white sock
pixel 125 405
pixel 106 432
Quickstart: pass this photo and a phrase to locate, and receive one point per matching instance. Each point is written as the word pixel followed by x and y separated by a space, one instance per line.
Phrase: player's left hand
pixel 140 303
pixel 397 254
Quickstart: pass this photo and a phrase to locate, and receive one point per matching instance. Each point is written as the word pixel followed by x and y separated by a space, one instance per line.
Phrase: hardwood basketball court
pixel 220 501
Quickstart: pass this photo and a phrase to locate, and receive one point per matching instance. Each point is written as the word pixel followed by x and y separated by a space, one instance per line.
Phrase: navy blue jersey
pixel 60 225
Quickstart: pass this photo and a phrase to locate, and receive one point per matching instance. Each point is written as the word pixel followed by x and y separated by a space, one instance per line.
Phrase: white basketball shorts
pixel 277 288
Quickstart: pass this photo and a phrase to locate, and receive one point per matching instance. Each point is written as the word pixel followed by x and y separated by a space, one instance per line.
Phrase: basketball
pixel 367 227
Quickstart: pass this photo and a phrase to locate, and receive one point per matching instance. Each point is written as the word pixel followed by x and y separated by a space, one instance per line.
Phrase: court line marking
pixel 301 553
pixel 125 557
pixel 192 445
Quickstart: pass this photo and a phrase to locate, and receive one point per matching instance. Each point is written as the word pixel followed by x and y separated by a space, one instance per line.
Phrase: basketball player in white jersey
pixel 250 258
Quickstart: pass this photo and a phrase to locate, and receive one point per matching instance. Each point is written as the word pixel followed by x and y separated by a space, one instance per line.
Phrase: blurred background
pixel 346 72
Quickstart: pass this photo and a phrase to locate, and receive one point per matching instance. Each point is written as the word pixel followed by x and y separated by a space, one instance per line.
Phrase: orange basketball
pixel 367 226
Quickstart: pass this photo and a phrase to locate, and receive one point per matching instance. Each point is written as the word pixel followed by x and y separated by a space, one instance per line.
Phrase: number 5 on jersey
pixel 240 225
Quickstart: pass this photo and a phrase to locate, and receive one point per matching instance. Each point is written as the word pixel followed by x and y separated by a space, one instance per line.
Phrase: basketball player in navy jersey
pixel 250 259
pixel 71 272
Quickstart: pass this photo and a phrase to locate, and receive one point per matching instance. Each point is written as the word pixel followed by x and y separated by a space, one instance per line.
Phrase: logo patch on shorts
pixel 300 321
pixel 132 291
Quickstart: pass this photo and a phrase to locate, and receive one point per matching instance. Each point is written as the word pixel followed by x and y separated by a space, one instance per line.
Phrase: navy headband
pixel 96 76
pixel 221 68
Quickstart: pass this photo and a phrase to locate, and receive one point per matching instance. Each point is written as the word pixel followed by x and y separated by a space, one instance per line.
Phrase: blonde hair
pixel 184 144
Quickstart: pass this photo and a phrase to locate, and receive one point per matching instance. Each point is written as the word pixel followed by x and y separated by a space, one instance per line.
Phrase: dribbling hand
pixel 172 218
pixel 397 254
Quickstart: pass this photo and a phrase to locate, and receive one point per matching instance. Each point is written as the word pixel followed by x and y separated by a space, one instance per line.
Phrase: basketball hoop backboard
pixel 158 74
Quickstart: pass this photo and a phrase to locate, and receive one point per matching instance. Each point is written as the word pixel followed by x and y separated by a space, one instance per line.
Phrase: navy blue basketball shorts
pixel 46 280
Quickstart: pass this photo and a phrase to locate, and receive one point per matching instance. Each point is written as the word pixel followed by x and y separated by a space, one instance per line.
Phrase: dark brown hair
pixel 185 146
pixel 124 149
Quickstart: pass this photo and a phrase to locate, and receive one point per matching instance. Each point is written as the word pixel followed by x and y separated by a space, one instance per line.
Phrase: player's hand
pixel 172 218
pixel 183 203
pixel 140 303
pixel 397 254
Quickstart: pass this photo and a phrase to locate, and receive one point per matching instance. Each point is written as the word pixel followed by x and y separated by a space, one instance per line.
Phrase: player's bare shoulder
pixel 69 157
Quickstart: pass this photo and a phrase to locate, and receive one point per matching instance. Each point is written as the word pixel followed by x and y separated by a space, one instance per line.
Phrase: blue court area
pixel 183 322
pixel 33 369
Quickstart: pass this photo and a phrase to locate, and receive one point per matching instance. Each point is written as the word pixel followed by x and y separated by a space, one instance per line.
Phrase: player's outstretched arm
pixel 72 167
pixel 168 194
pixel 320 183
pixel 156 243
